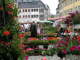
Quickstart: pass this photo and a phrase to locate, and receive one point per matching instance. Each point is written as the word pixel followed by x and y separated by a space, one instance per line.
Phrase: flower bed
pixel 42 52
pixel 40 42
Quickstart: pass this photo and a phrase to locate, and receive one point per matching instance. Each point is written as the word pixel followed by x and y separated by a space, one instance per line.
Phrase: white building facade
pixel 32 10
pixel 67 6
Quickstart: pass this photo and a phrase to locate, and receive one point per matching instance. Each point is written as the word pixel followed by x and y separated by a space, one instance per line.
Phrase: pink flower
pixel 44 58
pixel 26 57
pixel 78 47
pixel 59 45
pixel 61 41
pixel 29 49
pixel 72 14
pixel 64 51
pixel 73 48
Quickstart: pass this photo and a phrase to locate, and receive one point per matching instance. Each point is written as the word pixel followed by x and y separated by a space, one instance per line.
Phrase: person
pixel 33 29
pixel 38 28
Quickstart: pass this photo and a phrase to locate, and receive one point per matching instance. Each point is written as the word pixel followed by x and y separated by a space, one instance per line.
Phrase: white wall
pixel 23 20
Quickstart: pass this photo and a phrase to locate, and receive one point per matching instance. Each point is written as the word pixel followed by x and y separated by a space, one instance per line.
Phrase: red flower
pixel 21 35
pixel 73 48
pixel 10 13
pixel 51 38
pixel 7 43
pixel 66 31
pixel 6 33
pixel 78 37
pixel 10 6
pixel 32 38
pixel 1 8
pixel 2 42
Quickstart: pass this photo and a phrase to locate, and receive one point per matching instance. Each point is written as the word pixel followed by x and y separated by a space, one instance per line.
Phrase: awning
pixel 57 18
pixel 45 21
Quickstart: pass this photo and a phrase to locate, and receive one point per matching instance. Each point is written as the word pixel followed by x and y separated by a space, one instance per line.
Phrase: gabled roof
pixel 34 4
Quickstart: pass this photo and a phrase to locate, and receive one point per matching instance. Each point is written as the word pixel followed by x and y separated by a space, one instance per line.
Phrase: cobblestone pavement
pixel 41 57
pixel 55 57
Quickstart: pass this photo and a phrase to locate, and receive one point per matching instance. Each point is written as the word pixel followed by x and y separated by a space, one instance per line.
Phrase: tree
pixel 8 31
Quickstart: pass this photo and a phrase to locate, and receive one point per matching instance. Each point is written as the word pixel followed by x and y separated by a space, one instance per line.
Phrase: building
pixel 32 10
pixel 67 6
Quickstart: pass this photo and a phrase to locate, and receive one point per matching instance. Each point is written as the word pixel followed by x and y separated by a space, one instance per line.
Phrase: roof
pixel 58 18
pixel 26 0
pixel 34 4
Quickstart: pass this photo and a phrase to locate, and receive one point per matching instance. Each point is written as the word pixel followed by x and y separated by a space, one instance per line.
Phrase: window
pixel 25 10
pixel 28 10
pixel 32 10
pixel 41 15
pixel 41 10
pixel 36 16
pixel 28 16
pixel 32 16
pixel 35 10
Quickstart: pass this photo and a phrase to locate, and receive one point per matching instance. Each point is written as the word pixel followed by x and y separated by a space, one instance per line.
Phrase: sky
pixel 52 5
